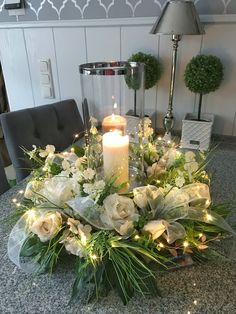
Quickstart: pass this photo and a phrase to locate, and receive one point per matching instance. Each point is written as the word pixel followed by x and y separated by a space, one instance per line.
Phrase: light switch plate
pixel 46 91
pixel 45 79
pixel 44 66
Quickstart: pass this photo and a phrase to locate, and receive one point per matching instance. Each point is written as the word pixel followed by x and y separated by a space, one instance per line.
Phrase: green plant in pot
pixel 152 72
pixel 203 75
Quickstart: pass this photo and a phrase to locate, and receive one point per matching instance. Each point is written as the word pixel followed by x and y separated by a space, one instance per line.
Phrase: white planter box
pixel 197 134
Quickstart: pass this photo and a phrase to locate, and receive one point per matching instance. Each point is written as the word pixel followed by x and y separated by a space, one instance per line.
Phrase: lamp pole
pixel 169 118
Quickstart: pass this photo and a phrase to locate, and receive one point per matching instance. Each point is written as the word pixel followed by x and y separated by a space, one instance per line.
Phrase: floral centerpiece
pixel 119 238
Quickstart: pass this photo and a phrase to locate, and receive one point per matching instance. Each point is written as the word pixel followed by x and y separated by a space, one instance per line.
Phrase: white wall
pixel 69 44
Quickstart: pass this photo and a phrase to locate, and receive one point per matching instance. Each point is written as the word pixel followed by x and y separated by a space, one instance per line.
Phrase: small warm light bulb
pixel 94 256
pixel 159 138
pixel 158 181
pixel 188 312
pixel 14 200
pixel 115 105
pixel 136 237
pixel 194 284
pixel 185 244
pixel 18 204
pixel 72 150
pixel 195 302
pixel 209 217
pixel 76 135
pixel 168 142
pixel 31 214
pixel 21 191
pixel 161 245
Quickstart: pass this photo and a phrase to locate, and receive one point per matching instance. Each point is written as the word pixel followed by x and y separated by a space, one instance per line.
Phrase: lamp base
pixel 167 137
pixel 168 123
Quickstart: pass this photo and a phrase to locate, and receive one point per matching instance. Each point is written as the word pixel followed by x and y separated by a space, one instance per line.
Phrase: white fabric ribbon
pixel 87 209
pixel 189 202
pixel 17 238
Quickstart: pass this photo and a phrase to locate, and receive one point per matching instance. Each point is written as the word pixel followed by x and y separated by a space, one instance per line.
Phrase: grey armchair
pixel 54 124
pixel 4 186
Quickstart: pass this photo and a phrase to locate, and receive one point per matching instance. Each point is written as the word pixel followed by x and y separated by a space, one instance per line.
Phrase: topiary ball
pixel 203 74
pixel 152 67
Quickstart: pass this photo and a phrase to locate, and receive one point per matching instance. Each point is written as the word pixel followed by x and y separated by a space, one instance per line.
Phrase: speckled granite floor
pixel 207 289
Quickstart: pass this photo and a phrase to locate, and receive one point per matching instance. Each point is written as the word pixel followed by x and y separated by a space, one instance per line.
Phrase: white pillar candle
pixel 114 122
pixel 116 156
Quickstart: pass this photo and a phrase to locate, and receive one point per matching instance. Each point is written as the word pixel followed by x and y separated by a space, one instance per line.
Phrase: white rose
pixel 155 227
pixel 47 226
pixel 119 213
pixel 191 166
pixel 126 228
pixel 73 246
pixel 189 156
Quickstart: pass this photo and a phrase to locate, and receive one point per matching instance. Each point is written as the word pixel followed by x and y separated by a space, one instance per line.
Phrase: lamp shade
pixel 178 17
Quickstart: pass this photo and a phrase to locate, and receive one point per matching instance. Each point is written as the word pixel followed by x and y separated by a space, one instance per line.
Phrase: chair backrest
pixel 54 124
pixel 4 186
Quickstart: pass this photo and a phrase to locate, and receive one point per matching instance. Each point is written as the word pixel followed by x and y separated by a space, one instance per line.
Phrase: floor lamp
pixel 178 18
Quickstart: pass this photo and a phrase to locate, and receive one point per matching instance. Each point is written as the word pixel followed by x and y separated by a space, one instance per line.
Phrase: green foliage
pixel 79 151
pixel 143 220
pixel 119 265
pixel 45 254
pixel 55 169
pixel 203 74
pixel 152 68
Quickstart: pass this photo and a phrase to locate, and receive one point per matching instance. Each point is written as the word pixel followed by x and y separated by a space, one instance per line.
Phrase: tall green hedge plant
pixel 203 74
pixel 152 70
